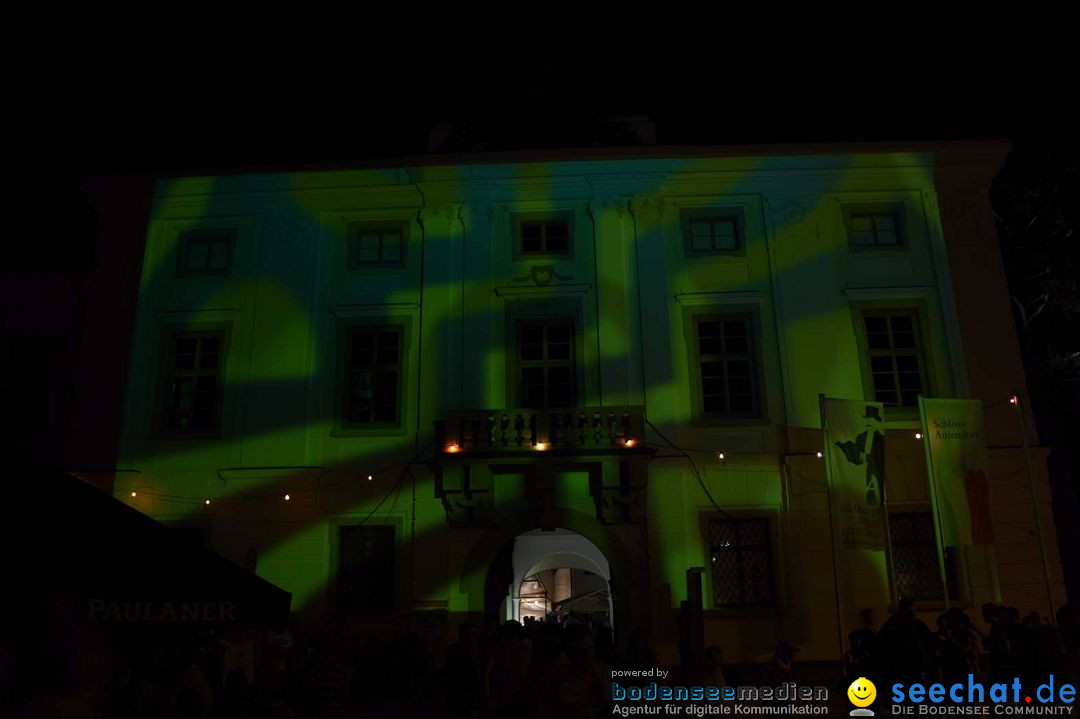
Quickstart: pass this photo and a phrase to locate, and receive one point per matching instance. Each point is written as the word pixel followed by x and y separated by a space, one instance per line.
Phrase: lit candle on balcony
pixel 541 446
pixel 453 447
pixel 629 442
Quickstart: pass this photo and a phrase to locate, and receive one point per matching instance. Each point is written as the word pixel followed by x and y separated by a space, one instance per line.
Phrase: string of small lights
pixel 288 495
pixel 1013 400
pixel 681 452
pixel 693 466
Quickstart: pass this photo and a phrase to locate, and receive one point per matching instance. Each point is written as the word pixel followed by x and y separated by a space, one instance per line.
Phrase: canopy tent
pixel 67 539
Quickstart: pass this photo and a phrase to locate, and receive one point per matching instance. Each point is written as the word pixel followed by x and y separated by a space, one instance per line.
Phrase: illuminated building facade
pixel 367 383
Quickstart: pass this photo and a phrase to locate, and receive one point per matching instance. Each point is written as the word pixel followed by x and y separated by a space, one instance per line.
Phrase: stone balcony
pixel 583 430
pixel 481 450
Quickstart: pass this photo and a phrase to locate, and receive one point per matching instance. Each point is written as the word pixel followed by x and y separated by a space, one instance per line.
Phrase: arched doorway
pixel 488 570
pixel 557 573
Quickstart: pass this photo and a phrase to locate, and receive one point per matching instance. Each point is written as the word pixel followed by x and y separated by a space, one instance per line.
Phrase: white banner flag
pixel 855 442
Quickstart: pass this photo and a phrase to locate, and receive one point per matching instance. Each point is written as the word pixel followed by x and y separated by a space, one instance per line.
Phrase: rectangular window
pixel 896 360
pixel 373 369
pixel 193 402
pixel 741 562
pixel 365 579
pixel 544 237
pixel 713 231
pixel 375 247
pixel 546 363
pixel 206 252
pixel 875 226
pixel 915 559
pixel 726 365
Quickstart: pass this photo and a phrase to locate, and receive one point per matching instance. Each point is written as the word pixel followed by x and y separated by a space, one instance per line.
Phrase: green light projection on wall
pixel 281 373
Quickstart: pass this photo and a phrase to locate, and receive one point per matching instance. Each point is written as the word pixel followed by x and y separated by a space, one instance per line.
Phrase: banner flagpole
pixel 1035 505
pixel 888 545
pixel 832 526
pixel 935 503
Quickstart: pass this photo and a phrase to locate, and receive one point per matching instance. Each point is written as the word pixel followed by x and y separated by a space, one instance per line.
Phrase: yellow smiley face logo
pixel 862 692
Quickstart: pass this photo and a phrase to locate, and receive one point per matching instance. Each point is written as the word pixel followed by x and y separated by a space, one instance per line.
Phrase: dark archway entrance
pixel 556 573
pixel 486 580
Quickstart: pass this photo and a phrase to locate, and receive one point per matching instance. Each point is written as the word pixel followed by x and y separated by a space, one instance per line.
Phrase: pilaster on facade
pixel 618 319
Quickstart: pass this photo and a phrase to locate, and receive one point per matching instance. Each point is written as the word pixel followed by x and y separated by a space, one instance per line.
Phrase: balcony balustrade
pixel 582 429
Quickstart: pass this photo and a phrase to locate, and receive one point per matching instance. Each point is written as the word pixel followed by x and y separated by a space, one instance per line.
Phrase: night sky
pixel 216 124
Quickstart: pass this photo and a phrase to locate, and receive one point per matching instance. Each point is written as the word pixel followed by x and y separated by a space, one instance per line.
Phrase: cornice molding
pixel 863 294
pixel 206 315
pixel 531 291
pixel 374 309
pixel 701 299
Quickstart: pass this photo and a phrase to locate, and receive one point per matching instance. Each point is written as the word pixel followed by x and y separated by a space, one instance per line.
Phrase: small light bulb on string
pixel 369 478
pixel 819 454
pixel 207 503
pixel 918 435
pixel 720 455
pixel 1014 400
pixel 132 494
pixel 287 498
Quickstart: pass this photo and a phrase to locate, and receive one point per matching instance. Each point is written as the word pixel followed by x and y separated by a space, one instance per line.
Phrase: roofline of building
pixel 974 152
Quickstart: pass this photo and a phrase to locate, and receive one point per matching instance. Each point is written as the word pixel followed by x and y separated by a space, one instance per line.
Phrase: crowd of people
pixel 300 675
pixel 905 650
pixel 554 668
pixel 548 668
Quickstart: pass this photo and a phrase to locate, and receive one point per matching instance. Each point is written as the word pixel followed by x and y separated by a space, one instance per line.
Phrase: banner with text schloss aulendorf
pixel 855 441
pixel 956 457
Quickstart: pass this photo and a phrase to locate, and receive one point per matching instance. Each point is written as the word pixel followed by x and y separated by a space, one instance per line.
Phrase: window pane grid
pixel 915 558
pixel 365 569
pixel 546 364
pixel 895 359
pixel 373 376
pixel 741 561
pixel 726 365
pixel 875 229
pixel 545 237
pixel 714 234
pixel 193 391
pixel 206 254
pixel 376 247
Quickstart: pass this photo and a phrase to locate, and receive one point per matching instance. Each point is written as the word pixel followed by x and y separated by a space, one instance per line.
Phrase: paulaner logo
pixel 1045 701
